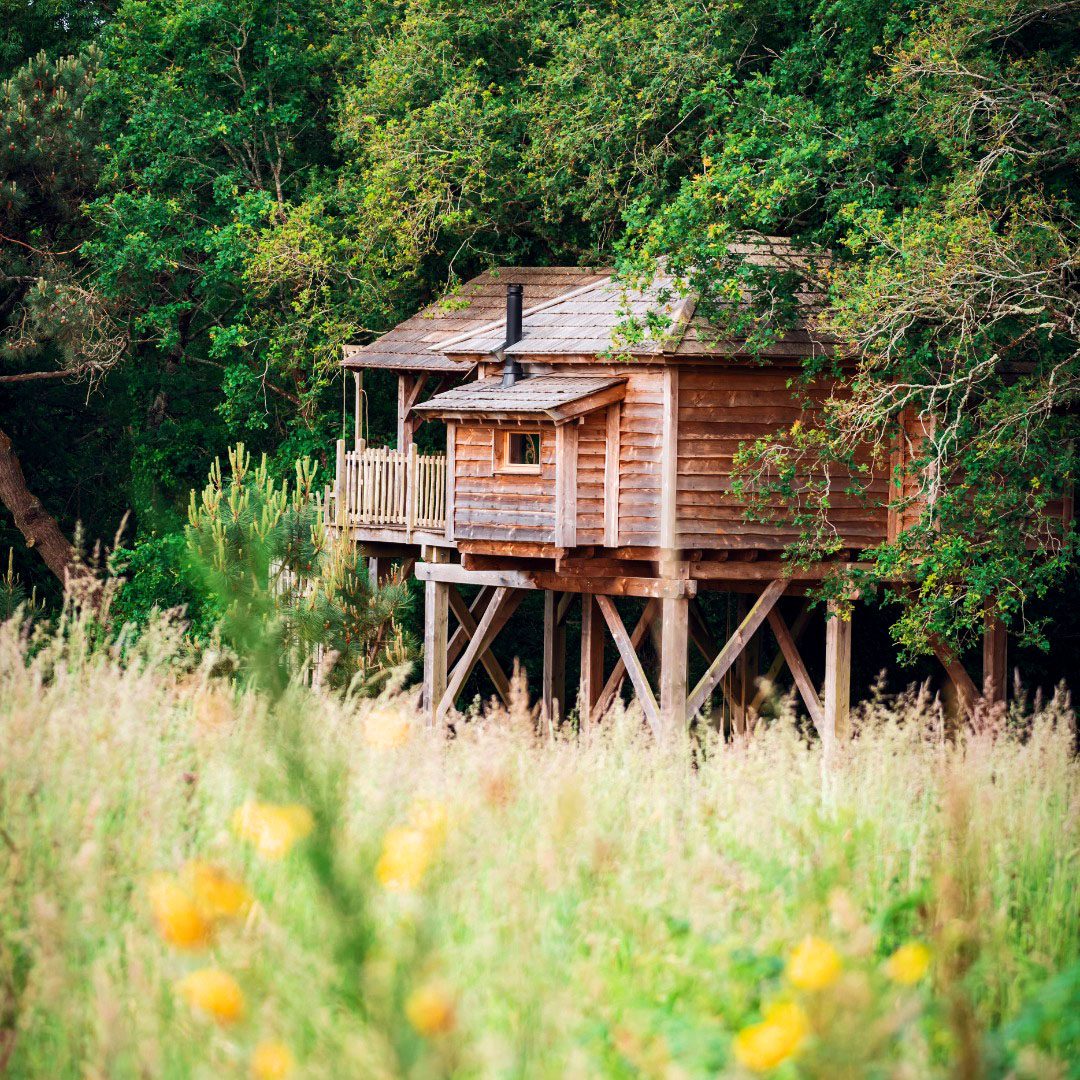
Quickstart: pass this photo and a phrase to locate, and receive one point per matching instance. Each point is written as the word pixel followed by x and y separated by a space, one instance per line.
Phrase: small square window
pixel 520 452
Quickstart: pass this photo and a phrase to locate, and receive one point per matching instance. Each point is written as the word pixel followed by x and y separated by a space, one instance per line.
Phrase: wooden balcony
pixel 386 495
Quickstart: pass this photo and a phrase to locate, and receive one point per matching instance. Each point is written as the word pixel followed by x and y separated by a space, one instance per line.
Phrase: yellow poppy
pixel 779 1036
pixel 217 895
pixel 430 1010
pixel 213 992
pixel 406 855
pixel 177 915
pixel 272 1061
pixel 813 965
pixel 272 829
pixel 908 964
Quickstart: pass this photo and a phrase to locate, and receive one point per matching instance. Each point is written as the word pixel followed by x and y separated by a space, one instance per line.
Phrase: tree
pixel 53 323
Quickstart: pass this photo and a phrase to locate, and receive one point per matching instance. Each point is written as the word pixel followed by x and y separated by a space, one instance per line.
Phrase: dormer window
pixel 519 452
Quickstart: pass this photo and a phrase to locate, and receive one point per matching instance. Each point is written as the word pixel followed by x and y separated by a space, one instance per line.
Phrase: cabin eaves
pixel 558 398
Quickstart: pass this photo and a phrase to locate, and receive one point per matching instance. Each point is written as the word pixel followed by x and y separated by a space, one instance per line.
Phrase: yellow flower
pixel 273 830
pixel 763 1046
pixel 272 1061
pixel 908 964
pixel 178 918
pixel 387 727
pixel 813 965
pixel 213 992
pixel 431 818
pixel 217 895
pixel 430 1010
pixel 406 855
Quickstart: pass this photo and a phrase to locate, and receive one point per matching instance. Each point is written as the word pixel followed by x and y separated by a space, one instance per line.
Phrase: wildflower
pixel 216 894
pixel 779 1036
pixel 813 965
pixel 387 727
pixel 430 1010
pixel 431 818
pixel 406 855
pixel 213 992
pixel 272 1061
pixel 908 964
pixel 272 829
pixel 178 918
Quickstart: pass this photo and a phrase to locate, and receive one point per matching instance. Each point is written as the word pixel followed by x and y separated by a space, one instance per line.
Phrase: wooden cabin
pixel 594 471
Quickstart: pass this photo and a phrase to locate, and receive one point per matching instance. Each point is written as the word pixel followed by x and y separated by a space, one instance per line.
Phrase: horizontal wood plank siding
pixel 721 408
pixel 489 505
pixel 592 440
pixel 640 432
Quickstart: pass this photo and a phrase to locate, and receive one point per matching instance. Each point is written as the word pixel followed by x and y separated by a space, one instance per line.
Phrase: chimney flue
pixel 511 368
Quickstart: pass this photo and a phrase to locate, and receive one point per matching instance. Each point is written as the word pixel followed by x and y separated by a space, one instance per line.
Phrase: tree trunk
pixel 39 526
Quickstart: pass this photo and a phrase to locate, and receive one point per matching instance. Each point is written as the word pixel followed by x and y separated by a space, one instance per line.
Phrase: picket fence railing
pixel 379 486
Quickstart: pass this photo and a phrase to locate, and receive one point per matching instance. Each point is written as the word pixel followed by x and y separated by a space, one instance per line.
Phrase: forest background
pixel 201 201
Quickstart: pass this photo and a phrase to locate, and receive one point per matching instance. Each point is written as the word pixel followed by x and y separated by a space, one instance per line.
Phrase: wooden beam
pixel 436 627
pixel 674 618
pixel 789 652
pixel 550 579
pixel 728 654
pixel 358 414
pixel 451 478
pixel 566 461
pixel 592 660
pixel 461 636
pixel 766 681
pixel 502 606
pixel 612 472
pixel 740 674
pixel 628 655
pixel 995 660
pixel 492 666
pixel 966 690
pixel 768 570
pixel 553 680
pixel 836 719
pixel 669 459
pixel 611 687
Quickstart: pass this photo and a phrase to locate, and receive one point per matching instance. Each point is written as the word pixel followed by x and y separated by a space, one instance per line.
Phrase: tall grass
pixel 578 907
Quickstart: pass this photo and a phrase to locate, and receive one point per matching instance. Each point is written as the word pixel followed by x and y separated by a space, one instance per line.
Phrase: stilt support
pixel 592 659
pixel 837 721
pixel 553 683
pixel 995 661
pixel 674 634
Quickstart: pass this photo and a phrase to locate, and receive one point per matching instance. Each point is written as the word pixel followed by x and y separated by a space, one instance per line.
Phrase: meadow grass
pixel 512 902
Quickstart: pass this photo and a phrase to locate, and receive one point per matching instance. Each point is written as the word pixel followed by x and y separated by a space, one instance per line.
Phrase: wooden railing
pixel 396 489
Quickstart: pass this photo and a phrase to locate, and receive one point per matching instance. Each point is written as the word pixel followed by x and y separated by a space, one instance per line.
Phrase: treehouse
pixel 599 473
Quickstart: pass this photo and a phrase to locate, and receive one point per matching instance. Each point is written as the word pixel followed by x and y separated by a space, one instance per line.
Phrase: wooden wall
pixel 723 406
pixel 592 447
pixel 501 506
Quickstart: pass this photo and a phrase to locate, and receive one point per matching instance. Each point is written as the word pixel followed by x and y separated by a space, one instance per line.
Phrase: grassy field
pixel 198 881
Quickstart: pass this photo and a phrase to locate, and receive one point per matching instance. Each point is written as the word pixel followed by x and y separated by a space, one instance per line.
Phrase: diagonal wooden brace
pixel 789 650
pixel 611 687
pixel 730 652
pixel 463 614
pixel 797 628
pixel 629 657
pixel 502 606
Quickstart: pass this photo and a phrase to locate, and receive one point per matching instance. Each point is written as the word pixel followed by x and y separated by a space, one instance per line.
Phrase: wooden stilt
pixel 836 719
pixel 436 628
pixel 995 660
pixel 740 699
pixel 373 570
pixel 611 687
pixel 553 686
pixel 674 630
pixel 592 658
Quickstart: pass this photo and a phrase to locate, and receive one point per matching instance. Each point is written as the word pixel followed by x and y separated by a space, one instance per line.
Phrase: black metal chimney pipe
pixel 511 368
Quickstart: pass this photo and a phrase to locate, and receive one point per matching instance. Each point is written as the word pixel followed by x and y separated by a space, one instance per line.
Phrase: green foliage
pixel 284 591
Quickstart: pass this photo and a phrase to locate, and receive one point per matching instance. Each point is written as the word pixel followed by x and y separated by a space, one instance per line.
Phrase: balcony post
pixel 340 510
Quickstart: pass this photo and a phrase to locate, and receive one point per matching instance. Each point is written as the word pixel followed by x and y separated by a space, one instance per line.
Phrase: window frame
pixel 503 464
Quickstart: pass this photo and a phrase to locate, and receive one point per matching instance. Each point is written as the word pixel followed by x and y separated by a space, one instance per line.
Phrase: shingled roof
pixel 575 311
pixel 553 397
pixel 413 344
